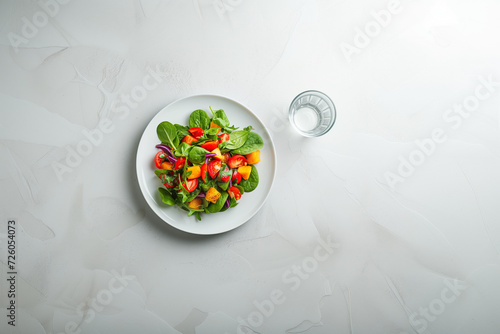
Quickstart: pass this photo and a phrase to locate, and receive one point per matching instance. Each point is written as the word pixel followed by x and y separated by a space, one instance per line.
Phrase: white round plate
pixel 213 223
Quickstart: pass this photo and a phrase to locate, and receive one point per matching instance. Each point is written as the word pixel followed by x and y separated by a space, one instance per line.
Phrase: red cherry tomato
pixel 196 132
pixel 210 145
pixel 214 167
pixel 204 173
pixel 225 174
pixel 190 185
pixel 169 185
pixel 223 137
pixel 180 163
pixel 237 161
pixel 236 177
pixel 234 192
pixel 159 158
pixel 225 157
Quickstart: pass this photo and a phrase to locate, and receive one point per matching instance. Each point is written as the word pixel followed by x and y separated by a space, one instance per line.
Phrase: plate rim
pixel 273 152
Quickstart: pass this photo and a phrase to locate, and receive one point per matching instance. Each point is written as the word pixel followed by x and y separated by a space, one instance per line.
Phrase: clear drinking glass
pixel 312 113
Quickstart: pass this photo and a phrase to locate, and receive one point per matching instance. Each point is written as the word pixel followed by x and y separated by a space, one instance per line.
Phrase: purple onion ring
pixel 168 151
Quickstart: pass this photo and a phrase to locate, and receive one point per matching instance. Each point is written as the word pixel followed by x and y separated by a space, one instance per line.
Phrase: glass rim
pixel 328 101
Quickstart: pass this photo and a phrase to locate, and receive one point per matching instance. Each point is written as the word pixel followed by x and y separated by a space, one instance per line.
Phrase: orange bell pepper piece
pixel 245 171
pixel 253 158
pixel 195 172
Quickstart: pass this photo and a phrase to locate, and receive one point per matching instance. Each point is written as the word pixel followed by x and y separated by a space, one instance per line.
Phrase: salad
pixel 206 166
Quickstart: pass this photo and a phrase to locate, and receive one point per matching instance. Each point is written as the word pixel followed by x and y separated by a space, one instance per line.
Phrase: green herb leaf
pixel 192 195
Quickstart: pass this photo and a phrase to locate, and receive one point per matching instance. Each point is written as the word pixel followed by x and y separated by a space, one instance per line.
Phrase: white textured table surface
pixel 390 223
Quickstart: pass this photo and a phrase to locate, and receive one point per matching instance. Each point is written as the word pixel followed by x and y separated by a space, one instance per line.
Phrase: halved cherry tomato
pixel 196 132
pixel 210 145
pixel 225 174
pixel 190 185
pixel 204 174
pixel 169 184
pixel 234 192
pixel 214 167
pixel 223 137
pixel 236 177
pixel 180 163
pixel 225 157
pixel 237 161
pixel 159 157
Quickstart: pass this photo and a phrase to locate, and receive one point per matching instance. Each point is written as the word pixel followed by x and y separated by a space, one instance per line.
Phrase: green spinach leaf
pixel 252 182
pixel 223 185
pixel 206 186
pixel 199 118
pixel 167 133
pixel 183 150
pixel 253 142
pixel 166 197
pixel 212 131
pixel 232 203
pixel 221 116
pixel 182 131
pixel 197 155
pixel 236 140
pixel 217 206
pixel 242 190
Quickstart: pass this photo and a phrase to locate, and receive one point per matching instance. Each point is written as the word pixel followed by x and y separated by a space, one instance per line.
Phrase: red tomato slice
pixel 237 161
pixel 236 177
pixel 223 137
pixel 204 172
pixel 234 192
pixel 214 167
pixel 210 145
pixel 190 185
pixel 180 163
pixel 196 132
pixel 159 157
